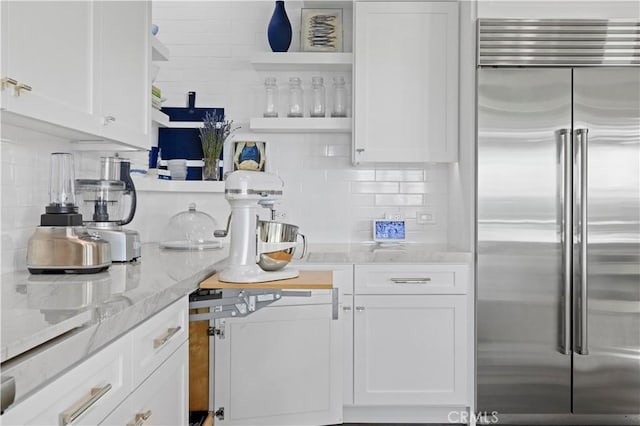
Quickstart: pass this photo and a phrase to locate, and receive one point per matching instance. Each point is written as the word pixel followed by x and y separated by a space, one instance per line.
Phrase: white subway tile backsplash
pixel 24 159
pixel 208 50
pixel 400 175
pixel 414 187
pixel 352 174
pixel 398 200
pixel 338 151
pixel 374 187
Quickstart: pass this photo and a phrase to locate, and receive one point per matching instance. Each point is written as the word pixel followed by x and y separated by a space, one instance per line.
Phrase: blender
pixel 61 244
pixel 102 207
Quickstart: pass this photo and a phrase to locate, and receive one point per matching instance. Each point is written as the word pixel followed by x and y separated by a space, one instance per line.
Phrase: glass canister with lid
pixel 295 97
pixel 271 97
pixel 318 95
pixel 339 108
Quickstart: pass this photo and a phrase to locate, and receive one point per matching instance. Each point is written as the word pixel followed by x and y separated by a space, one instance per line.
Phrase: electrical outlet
pixel 425 218
pixel 280 215
pixel 393 216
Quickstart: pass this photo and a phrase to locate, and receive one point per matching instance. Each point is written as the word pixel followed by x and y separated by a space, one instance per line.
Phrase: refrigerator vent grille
pixel 558 43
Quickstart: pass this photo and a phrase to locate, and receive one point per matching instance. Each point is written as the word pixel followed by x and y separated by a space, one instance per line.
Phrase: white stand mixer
pixel 246 191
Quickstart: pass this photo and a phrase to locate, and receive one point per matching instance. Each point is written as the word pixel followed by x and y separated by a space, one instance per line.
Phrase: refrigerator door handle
pixel 566 154
pixel 582 136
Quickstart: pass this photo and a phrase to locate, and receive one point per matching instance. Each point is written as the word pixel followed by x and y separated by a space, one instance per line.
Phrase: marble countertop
pixel 93 309
pixel 87 312
pixel 409 253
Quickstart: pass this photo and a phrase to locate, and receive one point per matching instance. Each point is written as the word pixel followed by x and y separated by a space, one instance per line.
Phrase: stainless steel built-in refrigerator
pixel 558 220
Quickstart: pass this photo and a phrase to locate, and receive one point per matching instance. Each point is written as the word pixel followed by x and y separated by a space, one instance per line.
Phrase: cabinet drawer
pixel 83 396
pixel 157 338
pixel 162 399
pixel 411 279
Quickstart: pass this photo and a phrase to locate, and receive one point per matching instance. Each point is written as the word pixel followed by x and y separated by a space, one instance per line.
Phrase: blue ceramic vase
pixel 279 31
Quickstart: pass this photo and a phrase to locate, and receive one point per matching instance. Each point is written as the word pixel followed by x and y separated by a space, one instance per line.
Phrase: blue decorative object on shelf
pixel 279 31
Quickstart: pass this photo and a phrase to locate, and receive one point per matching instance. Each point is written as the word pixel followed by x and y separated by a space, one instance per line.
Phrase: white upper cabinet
pixel 406 82
pixel 123 65
pixel 81 66
pixel 48 62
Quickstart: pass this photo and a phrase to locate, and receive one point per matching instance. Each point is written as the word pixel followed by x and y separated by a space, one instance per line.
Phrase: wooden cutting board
pixel 307 280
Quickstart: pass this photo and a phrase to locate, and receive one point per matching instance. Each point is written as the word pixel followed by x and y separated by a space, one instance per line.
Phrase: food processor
pixel 102 207
pixel 61 244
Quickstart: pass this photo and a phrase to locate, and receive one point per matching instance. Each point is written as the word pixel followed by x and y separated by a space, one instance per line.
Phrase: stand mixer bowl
pixel 277 232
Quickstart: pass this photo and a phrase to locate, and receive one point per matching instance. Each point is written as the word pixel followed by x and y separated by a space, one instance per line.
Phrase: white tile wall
pixel 211 44
pixel 24 163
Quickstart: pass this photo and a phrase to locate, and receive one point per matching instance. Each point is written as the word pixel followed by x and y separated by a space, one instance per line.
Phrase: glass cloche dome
pixel 190 230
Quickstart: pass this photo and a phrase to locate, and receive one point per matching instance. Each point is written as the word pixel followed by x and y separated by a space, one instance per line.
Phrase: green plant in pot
pixel 212 137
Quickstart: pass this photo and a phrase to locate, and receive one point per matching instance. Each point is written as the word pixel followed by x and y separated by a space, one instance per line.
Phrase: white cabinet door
pixel 82 396
pixel 50 46
pixel 162 399
pixel 406 82
pixel 124 56
pixel 280 366
pixel 410 350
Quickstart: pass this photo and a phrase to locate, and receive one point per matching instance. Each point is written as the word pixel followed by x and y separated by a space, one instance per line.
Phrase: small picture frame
pixel 249 155
pixel 321 30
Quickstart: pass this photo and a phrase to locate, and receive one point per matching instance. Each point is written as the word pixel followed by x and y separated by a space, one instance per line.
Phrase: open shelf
pixel 303 61
pixel 159 52
pixel 301 125
pixel 185 124
pixel 159 117
pixel 151 184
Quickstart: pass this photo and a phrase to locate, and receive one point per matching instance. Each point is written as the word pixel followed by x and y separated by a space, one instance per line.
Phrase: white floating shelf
pixel 159 52
pixel 301 125
pixel 159 117
pixel 151 184
pixel 185 124
pixel 303 61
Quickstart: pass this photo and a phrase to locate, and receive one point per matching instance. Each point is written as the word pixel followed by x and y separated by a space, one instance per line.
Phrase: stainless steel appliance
pixel 558 221
pixel 61 244
pixel 102 207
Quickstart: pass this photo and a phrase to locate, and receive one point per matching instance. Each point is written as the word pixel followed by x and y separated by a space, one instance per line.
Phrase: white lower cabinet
pixel 410 350
pixel 282 365
pixel 108 388
pixel 162 399
pixel 83 396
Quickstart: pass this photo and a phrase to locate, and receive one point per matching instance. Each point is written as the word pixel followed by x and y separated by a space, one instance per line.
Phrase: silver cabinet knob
pixel 108 119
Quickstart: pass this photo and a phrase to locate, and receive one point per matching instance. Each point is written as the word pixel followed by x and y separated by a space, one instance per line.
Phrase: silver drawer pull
pixel 346 308
pixel 165 338
pixel 359 308
pixel 21 86
pixel 140 418
pixel 411 280
pixel 74 412
pixel 5 82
